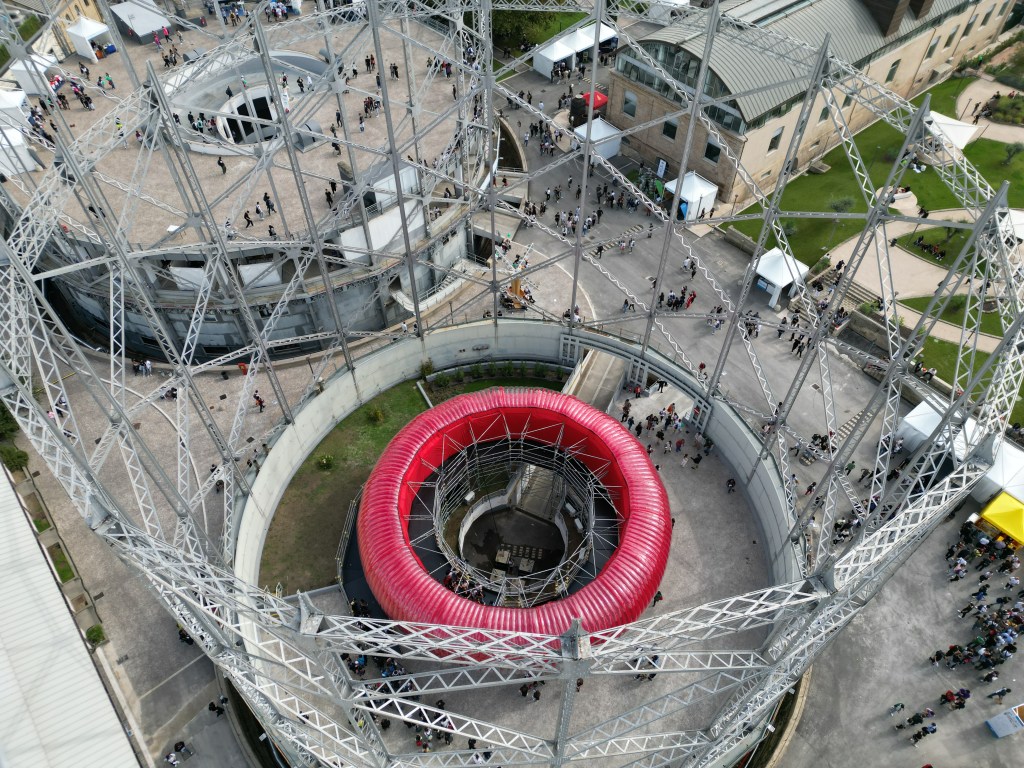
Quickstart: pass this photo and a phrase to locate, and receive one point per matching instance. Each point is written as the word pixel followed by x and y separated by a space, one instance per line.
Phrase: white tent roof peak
pixel 958 133
pixel 780 268
pixel 87 28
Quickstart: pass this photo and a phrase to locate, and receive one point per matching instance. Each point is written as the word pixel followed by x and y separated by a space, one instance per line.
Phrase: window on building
pixel 823 115
pixel 712 152
pixel 932 47
pixel 776 140
pixel 847 101
pixel 970 25
pixel 892 71
pixel 1003 7
pixel 766 174
pixel 952 36
pixel 669 128
pixel 629 104
pixel 987 16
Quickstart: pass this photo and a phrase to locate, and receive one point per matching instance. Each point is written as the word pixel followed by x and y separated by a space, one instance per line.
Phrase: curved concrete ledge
pixel 506 339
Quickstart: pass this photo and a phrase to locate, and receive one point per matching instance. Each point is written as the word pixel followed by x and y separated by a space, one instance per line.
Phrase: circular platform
pixel 622 589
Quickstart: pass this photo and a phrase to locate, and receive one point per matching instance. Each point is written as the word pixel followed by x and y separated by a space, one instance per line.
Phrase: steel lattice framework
pixel 729 661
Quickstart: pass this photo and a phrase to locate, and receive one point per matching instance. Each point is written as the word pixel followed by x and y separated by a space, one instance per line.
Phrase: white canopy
pixel 917 426
pixel 141 18
pixel 776 271
pixel 698 193
pixel 1006 474
pixel 25 72
pixel 1017 223
pixel 83 32
pixel 954 131
pixel 604 135
pixel 15 154
pixel 567 47
pixel 13 108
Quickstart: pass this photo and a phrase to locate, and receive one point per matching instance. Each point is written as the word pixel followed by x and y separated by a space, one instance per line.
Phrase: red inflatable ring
pixel 620 592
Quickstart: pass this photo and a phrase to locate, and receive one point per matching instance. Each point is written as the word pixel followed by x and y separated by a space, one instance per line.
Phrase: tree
pixel 1012 150
pixel 512 26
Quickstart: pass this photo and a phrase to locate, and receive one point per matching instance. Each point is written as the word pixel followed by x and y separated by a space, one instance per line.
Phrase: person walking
pixel 730 485
pixel 696 460
pixel 223 167
pixel 658 597
pixel 998 695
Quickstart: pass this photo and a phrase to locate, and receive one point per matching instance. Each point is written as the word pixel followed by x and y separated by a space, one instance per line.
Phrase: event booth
pixel 567 47
pixel 698 195
pixel 15 154
pixel 778 271
pixel 606 138
pixel 140 19
pixel 31 74
pixel 91 38
pixel 14 108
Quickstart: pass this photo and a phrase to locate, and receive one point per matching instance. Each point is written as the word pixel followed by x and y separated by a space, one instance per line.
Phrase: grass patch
pixel 944 95
pixel 41 524
pixel 61 564
pixel 26 30
pixel 950 241
pixel 943 355
pixel 954 314
pixel 303 538
pixel 1011 71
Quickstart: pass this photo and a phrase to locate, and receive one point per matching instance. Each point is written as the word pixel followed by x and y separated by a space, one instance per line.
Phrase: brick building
pixel 908 45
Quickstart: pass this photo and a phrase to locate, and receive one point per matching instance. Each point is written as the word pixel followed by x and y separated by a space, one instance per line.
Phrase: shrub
pixel 522 370
pixel 441 380
pixel 477 371
pixel 426 368
pixel 821 265
pixel 540 370
pixel 8 426
pixel 13 458
pixel 325 461
pixel 788 227
pixel 95 634
pixel 376 415
pixel 492 370
pixel 957 303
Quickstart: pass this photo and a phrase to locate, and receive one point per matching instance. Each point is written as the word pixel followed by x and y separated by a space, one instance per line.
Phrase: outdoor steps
pixel 856 296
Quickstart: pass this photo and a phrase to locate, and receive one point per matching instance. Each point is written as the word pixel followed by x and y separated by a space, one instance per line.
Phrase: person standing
pixel 223 167
pixel 658 597
pixel 730 485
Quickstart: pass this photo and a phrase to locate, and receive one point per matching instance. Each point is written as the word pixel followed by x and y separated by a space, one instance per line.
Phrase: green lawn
pixel 950 241
pixel 954 314
pixel 60 563
pixel 303 538
pixel 942 355
pixel 879 144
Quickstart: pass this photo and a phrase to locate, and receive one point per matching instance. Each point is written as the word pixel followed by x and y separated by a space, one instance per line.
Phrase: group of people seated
pixel 930 248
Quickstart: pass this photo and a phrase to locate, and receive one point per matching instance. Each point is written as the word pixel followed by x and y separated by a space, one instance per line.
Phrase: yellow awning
pixel 1007 514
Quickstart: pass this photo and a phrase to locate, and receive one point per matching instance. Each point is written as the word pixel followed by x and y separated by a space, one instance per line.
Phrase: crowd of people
pixel 990 641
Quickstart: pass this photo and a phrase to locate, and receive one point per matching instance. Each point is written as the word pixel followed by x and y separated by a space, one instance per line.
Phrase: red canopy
pixel 599 99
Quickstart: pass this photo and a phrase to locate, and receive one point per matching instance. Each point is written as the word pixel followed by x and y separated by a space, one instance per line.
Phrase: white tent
pixel 1017 223
pixel 777 271
pixel 917 426
pixel 698 194
pixel 567 47
pixel 1006 474
pixel 954 131
pixel 141 18
pixel 84 33
pixel 25 72
pixel 605 136
pixel 13 109
pixel 15 155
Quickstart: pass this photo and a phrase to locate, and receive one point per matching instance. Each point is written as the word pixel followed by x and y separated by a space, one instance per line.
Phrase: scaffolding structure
pixel 99 226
